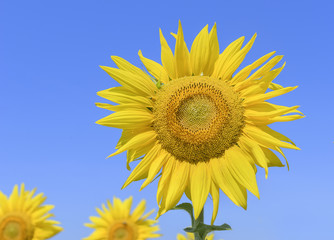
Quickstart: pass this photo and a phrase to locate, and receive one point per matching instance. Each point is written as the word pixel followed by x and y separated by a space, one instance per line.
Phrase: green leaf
pixel 204 228
pixel 188 208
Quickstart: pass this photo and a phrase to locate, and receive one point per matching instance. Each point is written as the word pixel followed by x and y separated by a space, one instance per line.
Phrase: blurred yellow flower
pixel 117 223
pixel 190 236
pixel 23 217
pixel 198 121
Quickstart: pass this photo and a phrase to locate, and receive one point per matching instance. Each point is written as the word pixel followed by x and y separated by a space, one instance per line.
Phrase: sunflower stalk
pixel 198 227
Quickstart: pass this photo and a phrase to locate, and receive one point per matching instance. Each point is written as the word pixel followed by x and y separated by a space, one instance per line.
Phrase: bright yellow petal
pixel 215 198
pixel 199 52
pixel 232 65
pixel 213 51
pixel 154 68
pixel 182 58
pixel 127 119
pixel 177 184
pixel 266 139
pixel 132 82
pixel 200 184
pixel 224 57
pixel 262 97
pixel 258 155
pixel 123 96
pixel 271 158
pixel 142 139
pixel 126 66
pixel 168 168
pixel 141 170
pixel 227 183
pixel 167 57
pixel 155 167
pixel 244 73
pixel 241 169
pixel 260 86
pixel 265 109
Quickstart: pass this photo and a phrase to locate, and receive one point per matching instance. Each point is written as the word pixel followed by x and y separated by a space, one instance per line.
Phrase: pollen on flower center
pixel 15 228
pixel 197 118
pixel 121 231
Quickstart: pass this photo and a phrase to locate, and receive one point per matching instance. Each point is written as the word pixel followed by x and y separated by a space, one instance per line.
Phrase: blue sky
pixel 50 52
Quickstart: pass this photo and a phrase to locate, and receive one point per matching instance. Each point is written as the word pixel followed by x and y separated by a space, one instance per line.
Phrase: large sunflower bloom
pixel 117 223
pixel 198 121
pixel 23 217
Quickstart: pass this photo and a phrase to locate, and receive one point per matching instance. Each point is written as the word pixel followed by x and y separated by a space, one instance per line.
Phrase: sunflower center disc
pixel 198 118
pixel 15 228
pixel 121 231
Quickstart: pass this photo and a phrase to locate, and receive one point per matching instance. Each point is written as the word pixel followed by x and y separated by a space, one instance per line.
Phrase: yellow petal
pixel 265 109
pixel 230 186
pixel 215 198
pixel 133 154
pixel 260 86
pixel 267 67
pixel 266 139
pixel 132 82
pixel 224 57
pixel 241 169
pixel 262 97
pixel 177 184
pixel 259 156
pixel 276 134
pixel 199 52
pixel 142 168
pixel 127 207
pixel 167 57
pixel 142 139
pixel 232 65
pixel 126 66
pixel 154 68
pixel 131 119
pixel 271 158
pixel 182 59
pixel 167 170
pixel 122 95
pixel 244 73
pixel 116 108
pixel 275 86
pixel 139 210
pixel 199 186
pixel 180 237
pixel 213 51
pixel 223 178
pixel 155 167
pixel 127 134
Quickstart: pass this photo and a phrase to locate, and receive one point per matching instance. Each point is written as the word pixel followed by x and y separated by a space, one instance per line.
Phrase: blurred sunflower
pixel 203 125
pixel 23 217
pixel 190 236
pixel 117 223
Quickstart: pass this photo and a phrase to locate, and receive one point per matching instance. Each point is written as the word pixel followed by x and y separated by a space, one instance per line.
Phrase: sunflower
pixel 204 126
pixel 23 217
pixel 190 236
pixel 117 223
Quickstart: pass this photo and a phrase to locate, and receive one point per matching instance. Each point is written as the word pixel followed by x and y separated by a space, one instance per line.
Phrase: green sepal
pixel 188 208
pixel 158 83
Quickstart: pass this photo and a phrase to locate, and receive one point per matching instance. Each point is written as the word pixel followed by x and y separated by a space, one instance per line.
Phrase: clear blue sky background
pixel 50 52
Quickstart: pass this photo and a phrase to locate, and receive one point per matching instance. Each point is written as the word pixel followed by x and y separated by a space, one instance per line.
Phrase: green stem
pixel 200 219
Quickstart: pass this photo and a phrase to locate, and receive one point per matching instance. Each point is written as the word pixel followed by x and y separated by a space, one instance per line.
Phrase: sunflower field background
pixel 50 52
